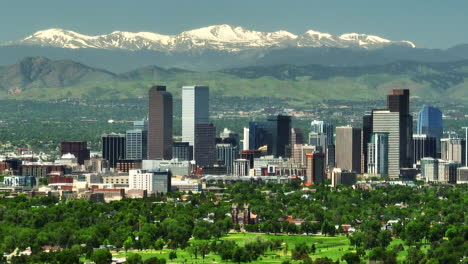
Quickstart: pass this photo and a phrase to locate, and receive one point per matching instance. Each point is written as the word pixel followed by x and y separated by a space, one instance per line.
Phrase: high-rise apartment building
pixel 78 148
pixel 385 121
pixel 195 110
pixel 113 148
pixel 159 123
pixel 348 148
pixel 204 145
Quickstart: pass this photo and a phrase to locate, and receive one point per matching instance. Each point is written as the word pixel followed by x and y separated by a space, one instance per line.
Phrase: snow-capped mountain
pixel 217 37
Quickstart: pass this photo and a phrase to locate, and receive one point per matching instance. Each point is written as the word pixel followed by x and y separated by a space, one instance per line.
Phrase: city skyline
pixel 266 131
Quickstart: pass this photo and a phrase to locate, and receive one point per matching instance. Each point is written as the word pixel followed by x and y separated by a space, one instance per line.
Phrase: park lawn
pixel 332 247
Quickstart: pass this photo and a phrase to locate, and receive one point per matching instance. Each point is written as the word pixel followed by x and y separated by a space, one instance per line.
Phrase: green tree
pixel 328 229
pixel 159 244
pixel 351 258
pixel 414 256
pixel 300 252
pixel 128 243
pixel 415 231
pixel 202 230
pixel 133 258
pixel 384 238
pixel 436 232
pixel 101 256
pixel 67 256
pixel 172 255
pixel 240 254
pixel 324 260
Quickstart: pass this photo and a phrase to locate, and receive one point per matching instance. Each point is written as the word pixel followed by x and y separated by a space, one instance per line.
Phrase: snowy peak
pixel 216 37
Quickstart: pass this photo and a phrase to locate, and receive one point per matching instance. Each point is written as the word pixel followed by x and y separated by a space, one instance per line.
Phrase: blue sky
pixel 428 23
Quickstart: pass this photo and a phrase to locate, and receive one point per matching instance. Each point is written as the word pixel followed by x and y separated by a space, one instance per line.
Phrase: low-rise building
pixel 153 182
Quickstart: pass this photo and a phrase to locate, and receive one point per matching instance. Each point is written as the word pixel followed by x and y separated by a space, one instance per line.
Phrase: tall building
pixel 136 144
pixel 204 145
pixel 195 110
pixel 438 170
pixel 331 162
pixel 78 148
pixel 424 146
pixel 113 148
pixel 322 137
pixel 280 128
pixel 398 101
pixel 296 139
pixel 246 143
pixel 453 149
pixel 226 154
pixel 430 169
pixel 366 137
pixel 323 128
pixel 385 121
pixel 296 136
pixel 259 136
pixel 378 155
pixel 182 151
pixel 348 148
pixel 320 141
pixel 159 123
pixel 430 123
pixel 315 168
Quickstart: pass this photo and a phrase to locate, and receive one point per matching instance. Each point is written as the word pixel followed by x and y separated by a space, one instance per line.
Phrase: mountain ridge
pixel 42 78
pixel 216 37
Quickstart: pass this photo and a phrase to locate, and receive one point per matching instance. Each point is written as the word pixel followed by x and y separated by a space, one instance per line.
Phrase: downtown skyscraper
pixel 195 110
pixel 430 123
pixel 348 148
pixel 398 101
pixel 159 124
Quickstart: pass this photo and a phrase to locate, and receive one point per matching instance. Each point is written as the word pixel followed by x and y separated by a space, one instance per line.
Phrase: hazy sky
pixel 428 23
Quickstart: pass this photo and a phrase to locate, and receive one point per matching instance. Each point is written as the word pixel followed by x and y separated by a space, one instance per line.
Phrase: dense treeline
pixel 433 216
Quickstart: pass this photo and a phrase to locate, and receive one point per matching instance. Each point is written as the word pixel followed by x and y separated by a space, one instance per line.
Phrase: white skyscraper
pixel 246 139
pixel 195 110
pixel 385 121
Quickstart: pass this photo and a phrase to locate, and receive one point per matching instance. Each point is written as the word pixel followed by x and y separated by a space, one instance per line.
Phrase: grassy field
pixel 332 247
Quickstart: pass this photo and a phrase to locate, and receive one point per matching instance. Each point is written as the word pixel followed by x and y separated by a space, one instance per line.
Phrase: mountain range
pixel 219 47
pixel 42 79
pixel 216 37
